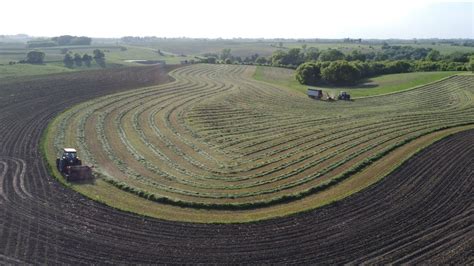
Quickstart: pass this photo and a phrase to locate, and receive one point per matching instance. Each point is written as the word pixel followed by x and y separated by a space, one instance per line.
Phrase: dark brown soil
pixel 422 213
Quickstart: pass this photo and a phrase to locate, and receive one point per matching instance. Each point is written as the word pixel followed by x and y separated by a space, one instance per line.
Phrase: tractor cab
pixel 68 158
pixel 69 154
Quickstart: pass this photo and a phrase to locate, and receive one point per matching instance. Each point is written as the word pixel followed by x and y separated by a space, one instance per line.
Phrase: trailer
pixel 315 94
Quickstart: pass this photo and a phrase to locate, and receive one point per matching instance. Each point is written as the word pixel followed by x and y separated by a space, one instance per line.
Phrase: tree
pixel 277 57
pixel 78 59
pixel 225 53
pixel 35 57
pixel 434 55
pixel 228 61
pixel 294 57
pixel 397 67
pixel 341 73
pixel 261 60
pixel 331 55
pixel 68 60
pixel 98 54
pixel 211 60
pixel 459 57
pixel 87 59
pixel 291 58
pixel 471 63
pixel 311 54
pixel 304 46
pixel 356 55
pixel 427 66
pixel 99 57
pixel 309 73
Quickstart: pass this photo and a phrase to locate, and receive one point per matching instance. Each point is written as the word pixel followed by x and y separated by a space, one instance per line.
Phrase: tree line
pixel 60 41
pixel 343 72
pixel 335 67
pixel 296 56
pixel 70 60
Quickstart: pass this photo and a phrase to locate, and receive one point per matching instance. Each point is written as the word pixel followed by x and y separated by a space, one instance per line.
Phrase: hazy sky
pixel 240 18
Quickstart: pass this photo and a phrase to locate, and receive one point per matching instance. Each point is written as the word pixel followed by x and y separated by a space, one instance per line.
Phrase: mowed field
pixel 217 146
pixel 421 213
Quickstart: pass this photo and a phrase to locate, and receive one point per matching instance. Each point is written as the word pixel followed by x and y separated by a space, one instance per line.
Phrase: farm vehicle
pixel 70 166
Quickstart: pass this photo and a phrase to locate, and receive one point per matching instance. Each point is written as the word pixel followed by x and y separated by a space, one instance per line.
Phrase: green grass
pixel 371 87
pixel 393 83
pixel 279 76
pixel 20 70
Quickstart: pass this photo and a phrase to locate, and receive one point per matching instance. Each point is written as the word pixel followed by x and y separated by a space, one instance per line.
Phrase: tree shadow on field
pixel 363 84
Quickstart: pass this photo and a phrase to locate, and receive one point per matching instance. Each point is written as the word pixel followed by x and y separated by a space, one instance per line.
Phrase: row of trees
pixel 60 41
pixel 338 72
pixel 226 57
pixel 296 56
pixel 343 72
pixel 70 60
pixel 72 40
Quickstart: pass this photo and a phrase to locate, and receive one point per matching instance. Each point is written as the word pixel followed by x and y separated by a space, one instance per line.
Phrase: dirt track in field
pixel 420 213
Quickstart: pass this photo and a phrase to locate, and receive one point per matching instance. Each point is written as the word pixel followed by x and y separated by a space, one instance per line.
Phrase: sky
pixel 401 19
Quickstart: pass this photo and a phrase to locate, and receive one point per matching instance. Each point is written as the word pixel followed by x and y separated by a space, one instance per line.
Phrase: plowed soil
pixel 422 212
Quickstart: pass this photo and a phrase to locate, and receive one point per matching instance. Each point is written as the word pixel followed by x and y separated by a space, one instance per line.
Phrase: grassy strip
pixel 289 81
